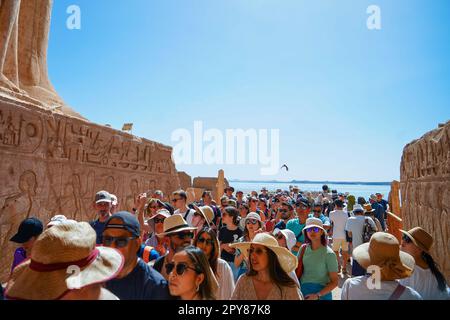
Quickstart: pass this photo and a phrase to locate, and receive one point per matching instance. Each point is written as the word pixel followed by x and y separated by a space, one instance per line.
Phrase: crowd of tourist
pixel 281 245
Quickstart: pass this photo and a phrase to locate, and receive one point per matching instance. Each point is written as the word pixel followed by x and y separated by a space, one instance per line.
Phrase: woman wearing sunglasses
pixel 203 217
pixel 318 266
pixel 426 278
pixel 251 225
pixel 268 275
pixel 156 240
pixel 206 240
pixel 190 276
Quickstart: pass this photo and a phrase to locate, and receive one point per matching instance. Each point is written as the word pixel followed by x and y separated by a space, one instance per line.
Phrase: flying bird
pixel 285 166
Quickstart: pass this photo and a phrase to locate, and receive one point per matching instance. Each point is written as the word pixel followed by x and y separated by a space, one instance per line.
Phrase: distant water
pixel 358 190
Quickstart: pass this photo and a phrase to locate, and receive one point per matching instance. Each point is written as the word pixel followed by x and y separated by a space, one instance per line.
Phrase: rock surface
pixel 425 190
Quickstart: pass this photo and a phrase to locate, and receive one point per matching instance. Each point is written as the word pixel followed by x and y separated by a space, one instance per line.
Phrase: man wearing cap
pixel 302 208
pixel 179 234
pixel 27 234
pixel 338 219
pixel 355 228
pixel 137 280
pixel 295 193
pixel 102 206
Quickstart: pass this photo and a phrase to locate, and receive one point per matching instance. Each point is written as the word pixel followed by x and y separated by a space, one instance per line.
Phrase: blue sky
pixel 346 99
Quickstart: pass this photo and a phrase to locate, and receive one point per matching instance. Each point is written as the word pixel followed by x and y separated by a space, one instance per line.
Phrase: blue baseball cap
pixel 129 223
pixel 31 227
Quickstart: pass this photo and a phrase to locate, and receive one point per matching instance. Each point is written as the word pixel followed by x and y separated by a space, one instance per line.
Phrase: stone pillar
pixel 220 186
pixel 394 219
pixel 425 190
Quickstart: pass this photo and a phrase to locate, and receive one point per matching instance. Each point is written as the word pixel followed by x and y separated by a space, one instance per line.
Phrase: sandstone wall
pixel 425 190
pixel 209 184
pixel 185 180
pixel 54 164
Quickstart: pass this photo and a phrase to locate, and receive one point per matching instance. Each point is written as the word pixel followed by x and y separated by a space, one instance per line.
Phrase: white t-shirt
pixel 339 219
pixel 356 226
pixel 357 289
pixel 425 283
pixel 225 279
pixel 189 217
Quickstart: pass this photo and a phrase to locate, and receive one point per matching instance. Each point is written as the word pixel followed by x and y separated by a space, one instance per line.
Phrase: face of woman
pixel 409 247
pixel 204 242
pixel 281 240
pixel 251 226
pixel 184 285
pixel 258 257
pixel 198 221
pixel 314 233
pixel 159 224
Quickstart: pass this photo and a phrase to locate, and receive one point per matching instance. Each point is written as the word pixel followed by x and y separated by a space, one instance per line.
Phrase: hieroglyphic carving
pixel 425 189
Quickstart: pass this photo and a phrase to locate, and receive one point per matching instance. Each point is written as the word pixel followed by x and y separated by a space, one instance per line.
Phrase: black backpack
pixel 368 231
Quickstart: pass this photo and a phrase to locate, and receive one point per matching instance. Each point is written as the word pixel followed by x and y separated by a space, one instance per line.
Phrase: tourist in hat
pixel 102 206
pixel 318 266
pixel 178 234
pixel 252 225
pixel 29 231
pixel 232 203
pixel 243 210
pixel 370 212
pixel 145 209
pixel 379 212
pixel 190 275
pixel 156 240
pixel 137 280
pixel 229 193
pixel 268 274
pixel 179 200
pixel 45 275
pixel 302 208
pixel 207 241
pixel 228 234
pixel 382 254
pixel 355 227
pixel 239 199
pixel 426 278
pixel 338 218
pixel 317 213
pixel 203 217
pixel 264 193
pixel 286 238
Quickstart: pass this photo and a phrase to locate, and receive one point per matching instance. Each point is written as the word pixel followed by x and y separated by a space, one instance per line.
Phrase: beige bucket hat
pixel 175 224
pixel 63 258
pixel 420 238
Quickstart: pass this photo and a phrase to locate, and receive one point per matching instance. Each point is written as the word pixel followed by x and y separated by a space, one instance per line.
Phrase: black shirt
pixel 228 236
pixel 143 283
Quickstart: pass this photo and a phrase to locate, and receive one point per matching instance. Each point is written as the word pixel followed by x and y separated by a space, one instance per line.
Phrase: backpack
pixel 368 231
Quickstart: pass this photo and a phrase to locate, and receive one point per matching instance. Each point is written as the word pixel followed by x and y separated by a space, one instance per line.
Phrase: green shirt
pixel 317 264
pixel 295 226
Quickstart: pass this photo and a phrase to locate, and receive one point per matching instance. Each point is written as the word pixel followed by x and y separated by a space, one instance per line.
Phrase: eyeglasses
pixel 120 242
pixel 251 221
pixel 280 236
pixel 314 229
pixel 180 268
pixel 406 239
pixel 184 235
pixel 258 251
pixel 159 220
pixel 207 241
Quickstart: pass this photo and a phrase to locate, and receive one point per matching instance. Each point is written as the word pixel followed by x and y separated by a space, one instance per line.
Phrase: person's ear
pixel 199 280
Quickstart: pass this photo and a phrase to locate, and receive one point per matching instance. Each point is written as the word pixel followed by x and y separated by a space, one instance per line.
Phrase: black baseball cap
pixel 302 200
pixel 130 223
pixel 339 203
pixel 31 227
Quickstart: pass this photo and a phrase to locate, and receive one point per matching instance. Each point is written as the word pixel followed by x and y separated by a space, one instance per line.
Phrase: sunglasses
pixel 159 220
pixel 207 241
pixel 314 229
pixel 175 200
pixel 252 221
pixel 180 268
pixel 184 235
pixel 406 239
pixel 280 236
pixel 258 251
pixel 120 242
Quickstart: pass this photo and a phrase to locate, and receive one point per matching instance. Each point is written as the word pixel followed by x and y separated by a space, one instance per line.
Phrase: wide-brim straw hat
pixel 313 222
pixel 368 208
pixel 383 250
pixel 420 238
pixel 175 224
pixel 287 260
pixel 250 215
pixel 63 258
pixel 207 213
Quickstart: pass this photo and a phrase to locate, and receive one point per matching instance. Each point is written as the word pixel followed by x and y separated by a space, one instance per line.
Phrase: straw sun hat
pixel 207 213
pixel 420 238
pixel 287 260
pixel 383 250
pixel 175 224
pixel 64 247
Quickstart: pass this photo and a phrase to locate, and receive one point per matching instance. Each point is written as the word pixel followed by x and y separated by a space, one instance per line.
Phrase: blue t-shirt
pixel 379 213
pixel 143 283
pixel 295 226
pixel 99 227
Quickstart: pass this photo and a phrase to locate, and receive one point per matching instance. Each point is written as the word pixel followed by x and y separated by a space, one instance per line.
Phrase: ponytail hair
pixel 442 283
